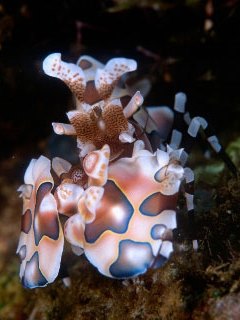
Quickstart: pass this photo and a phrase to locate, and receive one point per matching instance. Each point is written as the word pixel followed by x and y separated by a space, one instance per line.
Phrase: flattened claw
pixel 89 66
pixel 106 78
pixel 41 240
pixel 70 73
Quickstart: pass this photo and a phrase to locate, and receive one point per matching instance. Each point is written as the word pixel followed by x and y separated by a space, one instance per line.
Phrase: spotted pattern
pixel 156 203
pixel 71 74
pixel 45 223
pixel 26 222
pixel 107 78
pixel 110 216
pixel 102 81
pixel 89 130
pixel 134 258
pixel 115 120
pixel 33 276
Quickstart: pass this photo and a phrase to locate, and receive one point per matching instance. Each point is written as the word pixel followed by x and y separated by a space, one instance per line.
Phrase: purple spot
pixel 26 221
pixel 134 259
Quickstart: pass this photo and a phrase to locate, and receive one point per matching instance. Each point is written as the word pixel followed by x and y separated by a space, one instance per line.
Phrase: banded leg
pixel 195 126
pixel 198 124
pixel 179 137
pixel 189 196
pixel 178 123
pixel 159 122
pixel 185 129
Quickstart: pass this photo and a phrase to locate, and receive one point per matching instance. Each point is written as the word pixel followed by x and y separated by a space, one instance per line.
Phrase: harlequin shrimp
pixel 120 199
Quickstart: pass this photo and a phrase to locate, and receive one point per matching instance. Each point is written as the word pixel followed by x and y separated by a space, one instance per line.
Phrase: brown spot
pixel 156 203
pixel 26 221
pixel 106 216
pixel 33 276
pixel 91 95
pixel 101 174
pixel 85 64
pixel 125 266
pixel 45 222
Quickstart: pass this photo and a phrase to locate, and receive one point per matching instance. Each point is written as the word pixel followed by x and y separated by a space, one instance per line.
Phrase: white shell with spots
pixel 135 218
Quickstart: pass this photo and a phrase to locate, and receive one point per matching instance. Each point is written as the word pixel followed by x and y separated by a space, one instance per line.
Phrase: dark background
pixel 190 45
pixel 169 40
